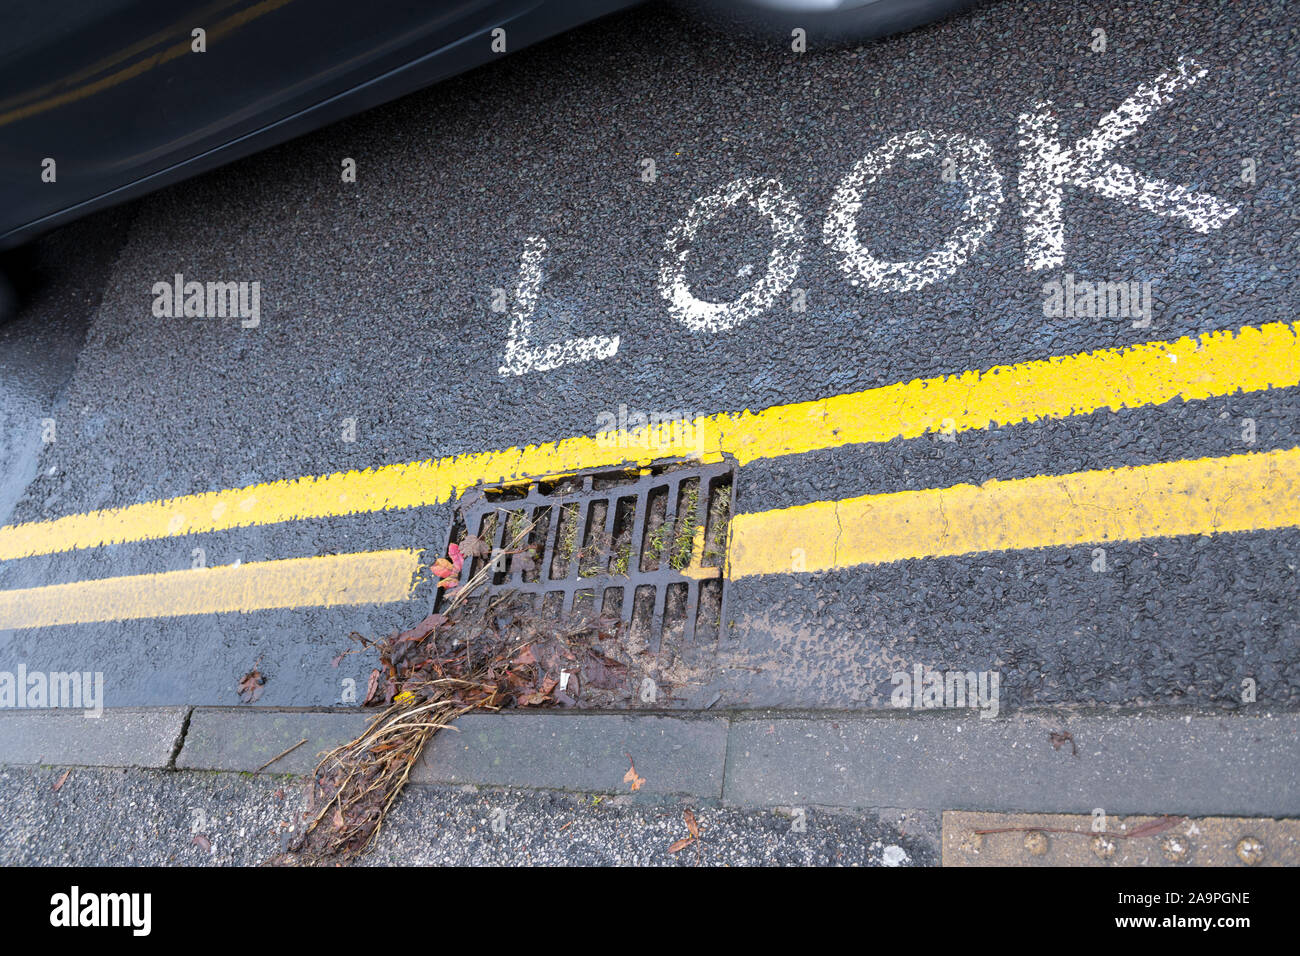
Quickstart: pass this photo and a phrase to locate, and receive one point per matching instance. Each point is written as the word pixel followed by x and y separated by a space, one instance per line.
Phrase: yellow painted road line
pixel 1218 363
pixel 373 577
pixel 1252 492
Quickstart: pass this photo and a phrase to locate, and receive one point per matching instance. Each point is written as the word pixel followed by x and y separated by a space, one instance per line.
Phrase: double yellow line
pixel 1252 492
pixel 1237 493
pixel 369 577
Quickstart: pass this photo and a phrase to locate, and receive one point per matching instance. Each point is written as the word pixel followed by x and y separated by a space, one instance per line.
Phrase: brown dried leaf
pixel 681 844
pixel 1061 739
pixel 422 630
pixel 372 688
pixel 202 842
pixel 604 672
pixel 250 686
pixel 62 780
pixel 691 824
pixel 631 775
pixel 475 547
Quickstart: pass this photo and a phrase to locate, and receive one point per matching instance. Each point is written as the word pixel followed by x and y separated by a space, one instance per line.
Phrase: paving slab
pixel 119 737
pixel 223 738
pixel 1197 765
pixel 586 752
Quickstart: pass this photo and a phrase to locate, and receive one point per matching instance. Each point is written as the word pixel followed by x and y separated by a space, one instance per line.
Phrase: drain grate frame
pixel 694 496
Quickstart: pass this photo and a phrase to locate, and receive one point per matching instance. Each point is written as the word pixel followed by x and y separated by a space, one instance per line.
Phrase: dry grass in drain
pixel 431 674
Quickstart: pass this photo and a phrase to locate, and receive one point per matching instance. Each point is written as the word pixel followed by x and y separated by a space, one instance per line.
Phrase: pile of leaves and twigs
pixel 480 652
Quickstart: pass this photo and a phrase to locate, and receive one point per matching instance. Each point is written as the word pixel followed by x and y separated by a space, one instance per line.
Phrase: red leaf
pixel 457 559
pixel 443 568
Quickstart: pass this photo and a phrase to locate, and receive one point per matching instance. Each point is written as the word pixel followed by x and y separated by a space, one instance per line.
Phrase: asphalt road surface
pixel 902 212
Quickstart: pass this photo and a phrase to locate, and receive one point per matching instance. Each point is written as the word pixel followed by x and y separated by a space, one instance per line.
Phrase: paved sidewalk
pixel 1153 762
pixel 223 785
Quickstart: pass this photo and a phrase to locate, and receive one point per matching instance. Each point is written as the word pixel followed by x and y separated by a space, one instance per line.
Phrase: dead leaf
pixel 372 687
pixel 691 824
pixel 337 819
pixel 474 547
pixel 250 686
pixel 631 775
pixel 202 842
pixel 59 784
pixel 1061 739
pixel 681 844
pixel 422 630
pixel 604 672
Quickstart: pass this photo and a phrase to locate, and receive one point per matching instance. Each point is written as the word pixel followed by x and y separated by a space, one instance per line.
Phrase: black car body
pixel 117 95
pixel 104 100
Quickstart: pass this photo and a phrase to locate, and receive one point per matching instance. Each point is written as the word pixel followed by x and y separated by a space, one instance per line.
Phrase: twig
pixel 279 755
pixel 1150 828
pixel 378 763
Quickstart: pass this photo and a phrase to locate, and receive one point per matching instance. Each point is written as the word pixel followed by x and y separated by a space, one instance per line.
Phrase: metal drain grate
pixel 650 541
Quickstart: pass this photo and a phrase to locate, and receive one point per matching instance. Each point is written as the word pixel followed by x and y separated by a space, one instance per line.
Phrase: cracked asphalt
pixel 376 307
